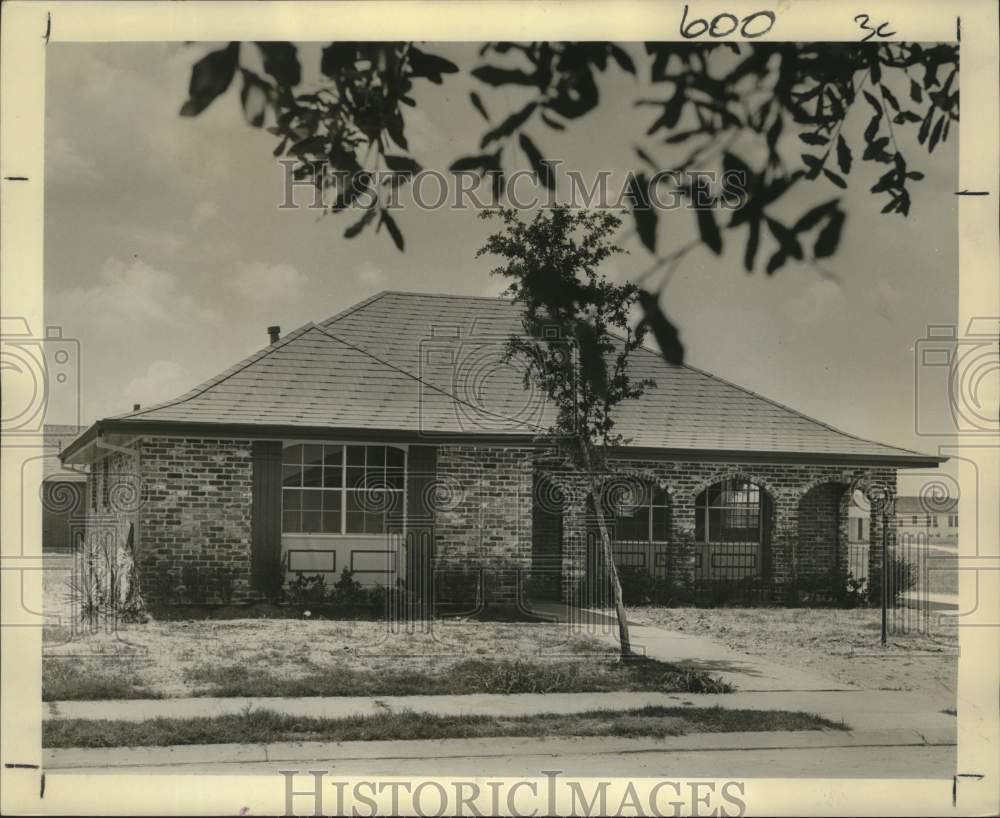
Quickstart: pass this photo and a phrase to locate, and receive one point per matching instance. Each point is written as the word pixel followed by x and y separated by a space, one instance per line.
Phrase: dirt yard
pixel 175 658
pixel 843 644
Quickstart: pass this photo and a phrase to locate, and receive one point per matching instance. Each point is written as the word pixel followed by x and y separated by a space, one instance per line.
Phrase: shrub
pixel 306 589
pixel 347 591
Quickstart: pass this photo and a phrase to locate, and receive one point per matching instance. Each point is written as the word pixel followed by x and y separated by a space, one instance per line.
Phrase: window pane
pixel 331 522
pixel 395 478
pixel 661 523
pixel 312 500
pixel 699 526
pixel 355 477
pixel 291 522
pixel 353 502
pixel 312 455
pixel 333 455
pixel 660 497
pixel 331 501
pixel 374 523
pixel 332 475
pixel 312 476
pixel 292 454
pixel 292 499
pixel 375 455
pixel 355 522
pixel 394 458
pixel 291 475
pixel 355 455
pixel 311 522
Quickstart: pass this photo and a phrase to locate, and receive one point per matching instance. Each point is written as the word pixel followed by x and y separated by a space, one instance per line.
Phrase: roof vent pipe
pixel 274 333
pixel 136 407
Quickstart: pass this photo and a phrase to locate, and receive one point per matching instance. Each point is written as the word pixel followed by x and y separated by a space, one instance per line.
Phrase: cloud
pixel 162 380
pixel 63 163
pixel 129 299
pixel 265 283
pixel 821 300
pixel 371 275
pixel 203 213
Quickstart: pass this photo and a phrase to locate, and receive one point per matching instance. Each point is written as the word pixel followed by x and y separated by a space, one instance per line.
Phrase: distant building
pixel 936 520
pixel 63 491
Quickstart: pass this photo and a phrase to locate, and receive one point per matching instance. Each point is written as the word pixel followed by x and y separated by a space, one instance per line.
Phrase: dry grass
pixel 840 643
pixel 290 657
pixel 265 726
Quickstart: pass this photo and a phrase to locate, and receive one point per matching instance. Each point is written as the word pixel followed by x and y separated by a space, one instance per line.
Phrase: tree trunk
pixel 609 564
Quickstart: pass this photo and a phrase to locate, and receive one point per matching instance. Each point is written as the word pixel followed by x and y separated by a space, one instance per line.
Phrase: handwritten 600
pixel 722 25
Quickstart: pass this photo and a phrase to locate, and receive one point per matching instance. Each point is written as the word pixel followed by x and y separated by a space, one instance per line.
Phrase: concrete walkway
pixel 698 652
pixel 813 754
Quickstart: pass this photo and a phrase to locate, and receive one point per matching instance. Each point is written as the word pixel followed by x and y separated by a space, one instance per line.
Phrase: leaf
pixel 360 224
pixel 281 62
pixel 478 103
pixel 429 66
pixel 622 58
pixel 509 125
pixel 480 162
pixel 402 164
pixel 814 164
pixel 873 102
pixel 753 241
pixel 829 237
pixel 872 129
pixel 645 216
pixel 815 216
pixel 493 75
pixel 556 126
pixel 925 126
pixel 786 238
pixel 666 334
pixel 813 138
pixel 833 177
pixel 210 76
pixel 337 58
pixel 390 224
pixel 843 154
pixel 538 164
pixel 709 230
pixel 887 94
pixel 254 97
pixel 935 135
pixel 776 262
pixel 915 93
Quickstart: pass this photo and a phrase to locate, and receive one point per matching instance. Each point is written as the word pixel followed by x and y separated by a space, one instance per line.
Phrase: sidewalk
pixel 860 710
pixel 821 753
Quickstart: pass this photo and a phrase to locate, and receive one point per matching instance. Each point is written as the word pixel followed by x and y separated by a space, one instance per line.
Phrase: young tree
pixel 577 342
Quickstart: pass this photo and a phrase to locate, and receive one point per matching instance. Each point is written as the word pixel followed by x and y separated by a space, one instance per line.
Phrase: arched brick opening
pixel 733 528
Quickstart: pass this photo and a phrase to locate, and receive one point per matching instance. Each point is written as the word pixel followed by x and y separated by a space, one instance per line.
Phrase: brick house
pixel 391 437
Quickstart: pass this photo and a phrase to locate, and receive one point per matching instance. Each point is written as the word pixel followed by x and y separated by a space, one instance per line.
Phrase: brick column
pixel 784 538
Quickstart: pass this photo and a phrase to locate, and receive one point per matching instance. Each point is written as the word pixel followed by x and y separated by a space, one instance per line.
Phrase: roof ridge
pixel 204 386
pixel 416 378
pixel 353 308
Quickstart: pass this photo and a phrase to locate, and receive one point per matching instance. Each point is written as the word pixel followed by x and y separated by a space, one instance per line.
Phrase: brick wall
pixel 786 484
pixel 483 515
pixel 196 513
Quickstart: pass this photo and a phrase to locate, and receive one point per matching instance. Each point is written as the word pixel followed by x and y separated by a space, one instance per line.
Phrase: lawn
pixel 299 657
pixel 922 654
pixel 265 726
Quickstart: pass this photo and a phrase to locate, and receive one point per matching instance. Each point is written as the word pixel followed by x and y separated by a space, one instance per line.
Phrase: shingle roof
pixel 430 363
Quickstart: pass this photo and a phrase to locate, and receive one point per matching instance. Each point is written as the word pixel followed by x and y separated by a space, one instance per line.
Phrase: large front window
pixel 728 512
pixel 642 514
pixel 340 489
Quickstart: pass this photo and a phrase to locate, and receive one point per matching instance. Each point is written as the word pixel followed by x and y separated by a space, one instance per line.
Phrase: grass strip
pixel 268 726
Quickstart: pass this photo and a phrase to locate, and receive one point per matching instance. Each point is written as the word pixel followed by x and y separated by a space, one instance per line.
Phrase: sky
pixel 167 257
